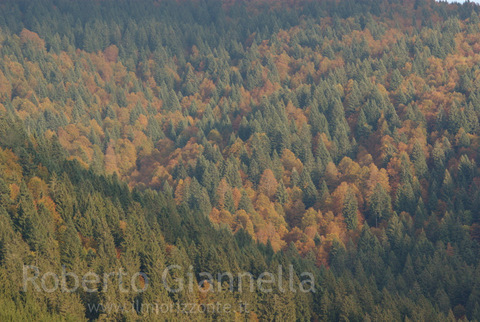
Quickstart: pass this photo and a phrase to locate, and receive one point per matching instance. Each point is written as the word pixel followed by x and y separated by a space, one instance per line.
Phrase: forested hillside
pixel 341 137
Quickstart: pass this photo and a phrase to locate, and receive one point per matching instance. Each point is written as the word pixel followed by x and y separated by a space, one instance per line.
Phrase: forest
pixel 339 137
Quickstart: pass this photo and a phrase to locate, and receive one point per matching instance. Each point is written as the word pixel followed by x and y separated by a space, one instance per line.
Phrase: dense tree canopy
pixel 341 137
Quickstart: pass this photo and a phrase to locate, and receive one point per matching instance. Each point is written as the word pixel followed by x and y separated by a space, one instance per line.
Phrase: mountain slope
pixel 341 136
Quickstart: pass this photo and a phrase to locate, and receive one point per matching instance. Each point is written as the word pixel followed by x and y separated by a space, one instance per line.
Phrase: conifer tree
pixel 350 210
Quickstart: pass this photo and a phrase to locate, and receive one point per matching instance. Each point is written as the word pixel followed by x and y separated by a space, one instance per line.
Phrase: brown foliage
pixel 268 183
